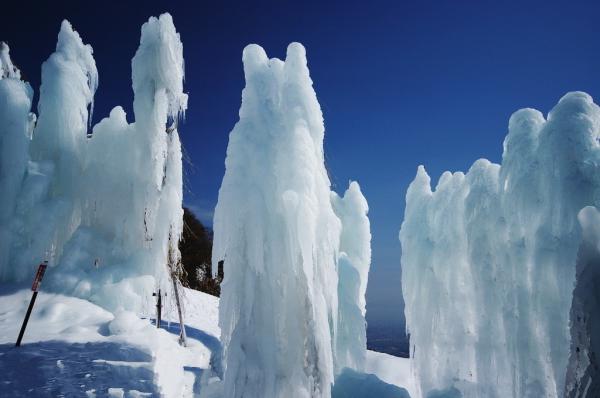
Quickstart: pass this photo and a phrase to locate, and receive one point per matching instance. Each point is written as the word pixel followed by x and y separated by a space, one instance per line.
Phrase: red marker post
pixel 34 287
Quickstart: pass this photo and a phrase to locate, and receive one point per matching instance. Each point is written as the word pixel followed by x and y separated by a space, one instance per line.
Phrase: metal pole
pixel 37 281
pixel 26 319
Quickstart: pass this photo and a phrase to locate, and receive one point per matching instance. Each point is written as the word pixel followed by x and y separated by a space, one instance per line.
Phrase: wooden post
pixel 37 281
pixel 158 307
pixel 182 334
pixel 174 266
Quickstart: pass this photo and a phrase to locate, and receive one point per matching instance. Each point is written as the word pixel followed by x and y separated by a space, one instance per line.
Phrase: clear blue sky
pixel 400 84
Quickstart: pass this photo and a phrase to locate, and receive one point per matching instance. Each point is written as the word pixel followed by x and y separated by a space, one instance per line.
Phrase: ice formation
pixel 583 375
pixel 16 124
pixel 489 258
pixel 278 233
pixel 104 206
pixel 353 271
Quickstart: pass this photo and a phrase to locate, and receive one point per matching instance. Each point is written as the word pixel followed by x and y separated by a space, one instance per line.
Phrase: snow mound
pixel 352 384
pixel 392 370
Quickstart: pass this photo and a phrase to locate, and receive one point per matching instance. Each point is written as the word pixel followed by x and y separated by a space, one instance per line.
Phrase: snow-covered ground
pixel 392 370
pixel 75 348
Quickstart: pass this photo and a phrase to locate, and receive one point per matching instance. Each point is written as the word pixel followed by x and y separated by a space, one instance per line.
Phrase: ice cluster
pixel 281 232
pixel 16 126
pixel 583 375
pixel 490 260
pixel 101 203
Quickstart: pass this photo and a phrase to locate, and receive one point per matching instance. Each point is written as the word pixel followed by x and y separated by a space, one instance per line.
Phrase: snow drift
pixel 489 258
pixel 277 231
pixel 103 204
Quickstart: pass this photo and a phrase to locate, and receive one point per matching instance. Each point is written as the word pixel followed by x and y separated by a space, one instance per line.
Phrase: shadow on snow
pixel 57 368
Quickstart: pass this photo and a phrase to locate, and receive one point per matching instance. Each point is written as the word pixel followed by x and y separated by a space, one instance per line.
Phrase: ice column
pixel 16 124
pixel 277 233
pixel 353 271
pixel 48 209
